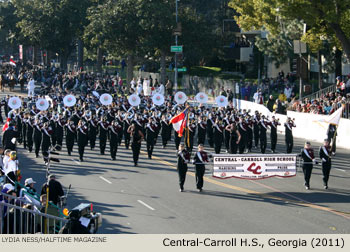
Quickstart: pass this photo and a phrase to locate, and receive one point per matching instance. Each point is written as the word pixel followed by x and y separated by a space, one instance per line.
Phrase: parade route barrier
pixel 254 166
pixel 308 126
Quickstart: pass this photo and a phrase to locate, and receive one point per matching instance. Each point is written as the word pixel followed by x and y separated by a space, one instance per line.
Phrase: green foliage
pixel 53 25
pixel 326 19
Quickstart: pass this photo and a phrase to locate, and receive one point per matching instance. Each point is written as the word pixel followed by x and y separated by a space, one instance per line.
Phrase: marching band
pixel 86 118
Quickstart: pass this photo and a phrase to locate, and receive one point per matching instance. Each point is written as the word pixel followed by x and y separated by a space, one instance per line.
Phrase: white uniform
pixel 31 87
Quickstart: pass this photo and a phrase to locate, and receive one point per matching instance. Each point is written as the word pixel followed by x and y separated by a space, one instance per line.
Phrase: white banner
pixel 255 166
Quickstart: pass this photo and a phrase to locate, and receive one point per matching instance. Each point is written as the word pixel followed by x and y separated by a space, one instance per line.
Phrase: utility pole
pixel 176 43
pixel 300 73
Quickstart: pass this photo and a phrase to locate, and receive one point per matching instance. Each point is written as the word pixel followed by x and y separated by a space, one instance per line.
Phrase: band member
pixel 46 137
pixel 37 136
pixel 332 137
pixel 210 133
pixel 227 133
pixel 242 128
pixel 250 130
pixel 256 128
pixel 126 125
pixel 93 127
pixel 263 125
pixel 308 156
pixel 120 119
pixel 325 156
pixel 273 134
pixel 115 133
pixel 218 135
pixel 200 158
pixel 103 132
pixel 289 124
pixel 150 136
pixel 59 129
pixel 191 132
pixel 70 135
pixel 24 129
pixel 30 129
pixel 82 138
pixel 235 137
pixel 177 139
pixel 202 128
pixel 164 131
pixel 183 157
pixel 136 139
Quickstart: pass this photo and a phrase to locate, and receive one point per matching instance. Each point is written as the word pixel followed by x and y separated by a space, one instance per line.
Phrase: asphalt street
pixel 146 199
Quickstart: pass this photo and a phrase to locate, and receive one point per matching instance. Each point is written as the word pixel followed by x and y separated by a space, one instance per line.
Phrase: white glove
pixel 13 140
pixel 324 160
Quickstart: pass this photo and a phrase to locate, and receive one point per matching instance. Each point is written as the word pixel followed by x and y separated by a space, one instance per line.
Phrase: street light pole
pixel 175 80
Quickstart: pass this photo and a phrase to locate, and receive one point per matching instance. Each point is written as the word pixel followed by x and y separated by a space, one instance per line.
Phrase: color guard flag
pixel 12 62
pixel 179 122
pixel 6 125
pixel 334 118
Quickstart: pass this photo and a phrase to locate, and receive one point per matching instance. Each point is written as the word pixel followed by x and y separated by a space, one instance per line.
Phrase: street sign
pixel 176 49
pixel 184 69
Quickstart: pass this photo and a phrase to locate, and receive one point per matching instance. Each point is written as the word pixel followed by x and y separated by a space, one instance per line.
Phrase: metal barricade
pixel 17 216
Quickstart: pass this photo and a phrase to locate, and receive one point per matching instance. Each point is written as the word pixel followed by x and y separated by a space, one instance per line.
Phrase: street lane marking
pixel 340 169
pixel 75 161
pixel 109 182
pixel 299 202
pixel 143 203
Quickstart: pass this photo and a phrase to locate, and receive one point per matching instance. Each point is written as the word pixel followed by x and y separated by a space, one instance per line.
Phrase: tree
pixel 52 25
pixel 115 27
pixel 327 17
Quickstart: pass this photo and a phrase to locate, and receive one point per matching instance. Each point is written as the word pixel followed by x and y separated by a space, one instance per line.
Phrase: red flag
pixel 6 125
pixel 12 62
pixel 179 122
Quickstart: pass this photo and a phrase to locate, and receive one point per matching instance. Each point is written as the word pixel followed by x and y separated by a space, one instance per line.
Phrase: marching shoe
pixel 325 187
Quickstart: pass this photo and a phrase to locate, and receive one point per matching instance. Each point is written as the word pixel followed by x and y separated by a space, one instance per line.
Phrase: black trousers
pixel 45 145
pixel 136 147
pixel 307 170
pixel 103 142
pixel 70 144
pixel 113 142
pixel 200 171
pixel 273 137
pixel 182 176
pixel 120 138
pixel 242 143
pixel 326 169
pixel 150 146
pixel 92 139
pixel 30 140
pixel 177 141
pixel 201 137
pixel 249 139
pixel 233 146
pixel 210 138
pixel 189 145
pixel 59 138
pixel 217 145
pixel 256 136
pixel 164 138
pixel 227 140
pixel 24 134
pixel 127 139
pixel 289 144
pixel 37 143
pixel 263 142
pixel 81 148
